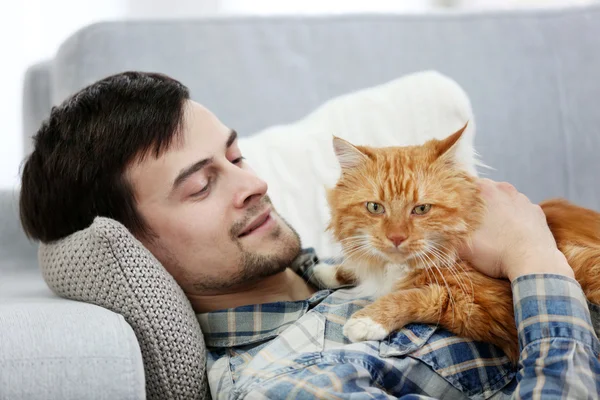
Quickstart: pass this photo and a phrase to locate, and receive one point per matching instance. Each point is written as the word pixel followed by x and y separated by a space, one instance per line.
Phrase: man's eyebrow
pixel 197 166
pixel 187 172
pixel 232 137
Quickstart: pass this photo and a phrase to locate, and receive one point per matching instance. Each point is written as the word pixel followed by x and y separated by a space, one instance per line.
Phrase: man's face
pixel 214 227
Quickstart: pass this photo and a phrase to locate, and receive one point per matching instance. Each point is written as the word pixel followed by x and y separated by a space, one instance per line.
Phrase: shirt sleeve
pixel 559 348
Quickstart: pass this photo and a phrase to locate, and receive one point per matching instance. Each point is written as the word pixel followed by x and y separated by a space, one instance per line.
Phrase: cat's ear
pixel 446 148
pixel 348 155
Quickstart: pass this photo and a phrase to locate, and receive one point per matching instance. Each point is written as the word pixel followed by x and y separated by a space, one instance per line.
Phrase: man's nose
pixel 250 188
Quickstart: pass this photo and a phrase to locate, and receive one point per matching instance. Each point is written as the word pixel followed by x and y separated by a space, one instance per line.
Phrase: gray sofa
pixel 533 78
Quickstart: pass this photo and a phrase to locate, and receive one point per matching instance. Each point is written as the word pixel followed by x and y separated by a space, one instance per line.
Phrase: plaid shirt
pixel 296 350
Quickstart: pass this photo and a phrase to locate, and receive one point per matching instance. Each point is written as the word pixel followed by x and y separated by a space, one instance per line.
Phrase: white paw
pixel 364 328
pixel 325 275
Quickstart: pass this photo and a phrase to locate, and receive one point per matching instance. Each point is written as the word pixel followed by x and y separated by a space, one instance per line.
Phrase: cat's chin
pixel 415 260
pixel 394 257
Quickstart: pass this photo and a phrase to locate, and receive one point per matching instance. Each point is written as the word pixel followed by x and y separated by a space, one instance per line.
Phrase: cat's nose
pixel 396 239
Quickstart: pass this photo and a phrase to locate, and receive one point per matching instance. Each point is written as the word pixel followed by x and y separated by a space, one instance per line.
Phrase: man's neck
pixel 284 286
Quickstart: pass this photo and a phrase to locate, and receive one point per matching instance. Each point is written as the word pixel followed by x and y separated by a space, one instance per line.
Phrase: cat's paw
pixel 325 275
pixel 359 329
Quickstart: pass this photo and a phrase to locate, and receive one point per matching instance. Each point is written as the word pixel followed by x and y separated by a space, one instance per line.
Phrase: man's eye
pixel 201 191
pixel 238 160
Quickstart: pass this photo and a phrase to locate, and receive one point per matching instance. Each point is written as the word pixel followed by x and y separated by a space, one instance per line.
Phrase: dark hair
pixel 76 170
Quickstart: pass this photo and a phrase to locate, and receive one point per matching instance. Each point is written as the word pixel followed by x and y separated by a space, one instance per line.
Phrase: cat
pixel 400 215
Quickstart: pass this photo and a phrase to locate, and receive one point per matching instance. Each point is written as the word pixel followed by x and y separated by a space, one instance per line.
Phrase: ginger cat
pixel 400 214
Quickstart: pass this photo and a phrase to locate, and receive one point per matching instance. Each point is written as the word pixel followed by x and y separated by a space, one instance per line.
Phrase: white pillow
pixel 298 163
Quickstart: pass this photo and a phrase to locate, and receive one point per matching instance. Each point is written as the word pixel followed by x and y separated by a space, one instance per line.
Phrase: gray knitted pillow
pixel 105 265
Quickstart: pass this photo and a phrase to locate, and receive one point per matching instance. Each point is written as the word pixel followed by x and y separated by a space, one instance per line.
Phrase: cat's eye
pixel 375 208
pixel 421 209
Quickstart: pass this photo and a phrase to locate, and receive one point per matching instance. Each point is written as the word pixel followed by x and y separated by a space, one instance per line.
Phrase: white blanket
pixel 298 162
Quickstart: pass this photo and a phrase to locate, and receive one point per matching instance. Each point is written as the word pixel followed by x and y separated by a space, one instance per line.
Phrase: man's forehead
pixel 201 124
pixel 202 135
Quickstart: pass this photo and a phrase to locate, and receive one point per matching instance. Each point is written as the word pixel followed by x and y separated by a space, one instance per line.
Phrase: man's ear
pixel 446 148
pixel 348 155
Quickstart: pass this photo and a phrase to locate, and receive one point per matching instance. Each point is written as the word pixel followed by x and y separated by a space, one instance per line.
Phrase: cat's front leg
pixel 391 312
pixel 332 276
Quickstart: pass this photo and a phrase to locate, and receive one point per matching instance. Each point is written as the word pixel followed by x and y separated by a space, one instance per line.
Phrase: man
pixel 135 148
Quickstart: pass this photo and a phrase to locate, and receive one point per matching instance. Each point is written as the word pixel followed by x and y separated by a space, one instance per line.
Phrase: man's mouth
pixel 257 223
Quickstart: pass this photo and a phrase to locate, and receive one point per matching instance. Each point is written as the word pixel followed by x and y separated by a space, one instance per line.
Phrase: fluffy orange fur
pixel 438 287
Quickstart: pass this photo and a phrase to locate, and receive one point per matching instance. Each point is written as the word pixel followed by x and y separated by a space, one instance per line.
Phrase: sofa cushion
pixel 55 349
pixel 17 253
pixel 105 265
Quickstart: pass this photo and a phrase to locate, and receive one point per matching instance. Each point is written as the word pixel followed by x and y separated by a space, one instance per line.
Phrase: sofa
pixel 532 76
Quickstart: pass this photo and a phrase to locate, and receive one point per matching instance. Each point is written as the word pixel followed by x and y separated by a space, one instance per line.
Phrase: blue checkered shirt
pixel 296 350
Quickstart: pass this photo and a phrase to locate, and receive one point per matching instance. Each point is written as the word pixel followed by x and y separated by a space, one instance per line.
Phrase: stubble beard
pixel 255 266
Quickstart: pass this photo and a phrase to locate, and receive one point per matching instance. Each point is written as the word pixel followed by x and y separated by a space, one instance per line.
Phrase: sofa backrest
pixel 533 76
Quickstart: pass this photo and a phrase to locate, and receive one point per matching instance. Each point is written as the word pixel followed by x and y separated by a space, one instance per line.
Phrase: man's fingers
pixel 540 210
pixel 522 198
pixel 486 186
pixel 496 190
pixel 485 182
pixel 507 188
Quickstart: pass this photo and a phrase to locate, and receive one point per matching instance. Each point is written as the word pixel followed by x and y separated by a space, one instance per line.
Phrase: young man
pixel 135 148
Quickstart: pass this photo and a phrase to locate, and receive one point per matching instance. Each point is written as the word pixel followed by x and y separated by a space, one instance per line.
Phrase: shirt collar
pixel 253 323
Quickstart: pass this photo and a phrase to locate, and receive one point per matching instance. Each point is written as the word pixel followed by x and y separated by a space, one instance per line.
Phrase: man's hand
pixel 514 238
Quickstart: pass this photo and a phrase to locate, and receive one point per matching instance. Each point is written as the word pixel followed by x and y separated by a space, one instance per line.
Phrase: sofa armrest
pixel 67 350
pixel 37 101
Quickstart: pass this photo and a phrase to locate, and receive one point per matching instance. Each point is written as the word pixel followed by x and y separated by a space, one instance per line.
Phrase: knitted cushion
pixel 105 265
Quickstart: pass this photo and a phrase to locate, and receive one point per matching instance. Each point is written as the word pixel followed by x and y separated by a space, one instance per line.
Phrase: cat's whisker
pixel 444 258
pixel 449 252
pixel 446 262
pixel 472 297
pixel 355 249
pixel 449 256
pixel 310 278
pixel 453 267
pixel 452 264
pixel 359 252
pixel 354 238
pixel 423 265
pixel 456 263
pixel 353 243
pixel 450 297
pixel 449 263
pixel 465 273
pixel 430 274
pixel 358 245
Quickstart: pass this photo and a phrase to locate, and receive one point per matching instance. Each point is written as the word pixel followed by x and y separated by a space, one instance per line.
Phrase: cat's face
pixel 402 204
